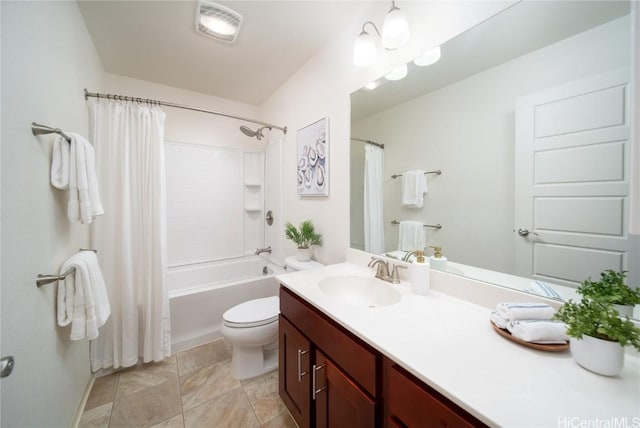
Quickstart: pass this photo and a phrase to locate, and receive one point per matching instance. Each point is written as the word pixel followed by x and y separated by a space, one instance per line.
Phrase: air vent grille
pixel 222 15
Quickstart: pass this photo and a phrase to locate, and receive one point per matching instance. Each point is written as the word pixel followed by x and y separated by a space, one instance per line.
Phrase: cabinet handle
pixel 300 372
pixel 315 391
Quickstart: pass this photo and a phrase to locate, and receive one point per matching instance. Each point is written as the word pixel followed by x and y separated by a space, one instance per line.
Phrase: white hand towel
pixel 539 331
pixel 498 320
pixel 414 186
pixel 82 298
pixel 541 288
pixel 60 164
pixel 411 236
pixel 524 311
pixel 73 206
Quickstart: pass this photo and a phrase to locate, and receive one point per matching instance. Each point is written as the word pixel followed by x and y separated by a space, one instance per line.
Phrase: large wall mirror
pixel 527 116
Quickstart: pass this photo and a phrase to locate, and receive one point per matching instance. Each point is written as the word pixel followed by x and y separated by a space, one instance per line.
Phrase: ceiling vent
pixel 217 22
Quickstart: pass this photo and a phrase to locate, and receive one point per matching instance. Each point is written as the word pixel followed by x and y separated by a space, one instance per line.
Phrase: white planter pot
pixel 599 356
pixel 304 254
pixel 625 310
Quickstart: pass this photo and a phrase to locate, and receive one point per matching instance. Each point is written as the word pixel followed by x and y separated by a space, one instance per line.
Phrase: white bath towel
pixel 498 320
pixel 73 169
pixel 414 186
pixel 411 236
pixel 541 288
pixel 82 299
pixel 525 311
pixel 539 331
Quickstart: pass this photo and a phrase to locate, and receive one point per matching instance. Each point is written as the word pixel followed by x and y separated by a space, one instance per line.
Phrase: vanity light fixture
pixel 217 21
pixel 429 57
pixel 395 34
pixel 397 73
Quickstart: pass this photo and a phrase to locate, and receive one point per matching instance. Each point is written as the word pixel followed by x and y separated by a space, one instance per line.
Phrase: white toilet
pixel 252 329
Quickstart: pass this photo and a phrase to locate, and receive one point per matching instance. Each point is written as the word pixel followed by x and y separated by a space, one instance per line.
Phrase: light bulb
pixel 395 30
pixel 371 85
pixel 397 73
pixel 429 57
pixel 365 52
pixel 217 25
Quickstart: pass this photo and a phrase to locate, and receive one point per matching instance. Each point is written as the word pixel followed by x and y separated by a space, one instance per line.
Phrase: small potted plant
pixel 304 238
pixel 612 289
pixel 600 335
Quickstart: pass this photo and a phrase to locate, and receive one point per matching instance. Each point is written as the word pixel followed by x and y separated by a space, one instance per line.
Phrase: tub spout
pixel 263 250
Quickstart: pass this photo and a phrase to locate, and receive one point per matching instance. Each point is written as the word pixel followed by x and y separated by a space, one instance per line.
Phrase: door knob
pixel 525 232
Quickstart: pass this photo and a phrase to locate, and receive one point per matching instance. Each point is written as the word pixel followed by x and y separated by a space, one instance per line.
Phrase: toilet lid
pixel 253 313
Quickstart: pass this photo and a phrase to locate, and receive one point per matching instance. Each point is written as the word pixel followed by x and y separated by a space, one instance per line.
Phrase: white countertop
pixel 449 344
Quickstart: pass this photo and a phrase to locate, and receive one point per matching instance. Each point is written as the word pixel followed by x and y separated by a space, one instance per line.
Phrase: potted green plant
pixel 600 334
pixel 304 237
pixel 612 288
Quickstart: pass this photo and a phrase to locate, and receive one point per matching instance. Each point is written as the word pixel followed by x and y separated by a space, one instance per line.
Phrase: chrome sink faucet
pixel 382 271
pixel 263 250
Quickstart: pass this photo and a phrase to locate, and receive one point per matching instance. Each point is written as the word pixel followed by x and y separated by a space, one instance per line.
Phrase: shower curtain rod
pixel 369 142
pixel 88 94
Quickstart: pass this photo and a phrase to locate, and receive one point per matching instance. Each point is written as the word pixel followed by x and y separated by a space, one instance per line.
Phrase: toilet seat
pixel 253 313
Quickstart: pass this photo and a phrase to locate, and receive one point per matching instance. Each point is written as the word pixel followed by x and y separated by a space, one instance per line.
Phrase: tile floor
pixel 191 389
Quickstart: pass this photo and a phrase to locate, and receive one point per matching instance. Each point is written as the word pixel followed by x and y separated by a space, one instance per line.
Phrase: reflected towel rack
pixel 433 226
pixel 38 129
pixel 48 279
pixel 438 172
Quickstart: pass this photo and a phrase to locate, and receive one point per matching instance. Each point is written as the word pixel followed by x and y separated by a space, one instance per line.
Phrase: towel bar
pixel 438 172
pixel 434 226
pixel 38 129
pixel 48 279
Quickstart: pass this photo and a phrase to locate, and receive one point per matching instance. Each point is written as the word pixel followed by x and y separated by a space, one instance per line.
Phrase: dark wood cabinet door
pixel 339 402
pixel 295 372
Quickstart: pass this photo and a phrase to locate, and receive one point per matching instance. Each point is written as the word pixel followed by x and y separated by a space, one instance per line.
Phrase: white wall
pixel 467 130
pixel 47 59
pixel 321 88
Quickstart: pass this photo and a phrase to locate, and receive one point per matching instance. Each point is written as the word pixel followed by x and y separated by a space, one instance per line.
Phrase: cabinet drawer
pixel 354 356
pixel 410 403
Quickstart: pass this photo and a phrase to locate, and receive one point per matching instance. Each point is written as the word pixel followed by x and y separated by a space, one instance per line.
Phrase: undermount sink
pixel 360 291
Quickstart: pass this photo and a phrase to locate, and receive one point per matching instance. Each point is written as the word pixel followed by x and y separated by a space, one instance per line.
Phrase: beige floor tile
pixel 281 421
pixel 147 407
pixel 103 391
pixel 263 396
pixel 146 375
pixel 202 356
pixel 174 422
pixel 207 383
pixel 231 410
pixel 98 417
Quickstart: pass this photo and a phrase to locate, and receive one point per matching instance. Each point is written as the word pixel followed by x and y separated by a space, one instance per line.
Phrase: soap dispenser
pixel 437 261
pixel 420 274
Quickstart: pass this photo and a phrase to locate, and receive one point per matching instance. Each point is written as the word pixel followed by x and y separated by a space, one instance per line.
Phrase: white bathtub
pixel 199 294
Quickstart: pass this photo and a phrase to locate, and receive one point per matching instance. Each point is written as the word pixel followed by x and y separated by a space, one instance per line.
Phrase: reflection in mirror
pixel 527 116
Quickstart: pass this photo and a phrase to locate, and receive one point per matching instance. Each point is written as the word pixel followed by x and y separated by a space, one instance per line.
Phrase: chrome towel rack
pixel 437 172
pixel 48 279
pixel 433 226
pixel 38 129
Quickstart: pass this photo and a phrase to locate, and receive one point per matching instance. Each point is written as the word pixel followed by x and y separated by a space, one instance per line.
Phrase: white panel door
pixel 572 181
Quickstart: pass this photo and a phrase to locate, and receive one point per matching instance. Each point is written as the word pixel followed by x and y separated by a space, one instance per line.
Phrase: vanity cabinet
pixel 328 377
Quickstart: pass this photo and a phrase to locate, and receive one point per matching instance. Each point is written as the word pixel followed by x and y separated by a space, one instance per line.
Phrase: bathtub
pixel 200 293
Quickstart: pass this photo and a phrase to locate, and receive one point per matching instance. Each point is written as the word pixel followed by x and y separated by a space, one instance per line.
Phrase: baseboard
pixel 83 401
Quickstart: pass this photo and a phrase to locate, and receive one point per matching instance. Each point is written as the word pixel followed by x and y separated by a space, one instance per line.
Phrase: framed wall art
pixel 313 159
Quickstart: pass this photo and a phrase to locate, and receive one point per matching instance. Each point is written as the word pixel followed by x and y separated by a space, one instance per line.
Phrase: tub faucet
pixel 263 250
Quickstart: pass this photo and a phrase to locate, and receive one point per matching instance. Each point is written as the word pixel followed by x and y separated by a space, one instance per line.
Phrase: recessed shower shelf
pixel 252 209
pixel 253 184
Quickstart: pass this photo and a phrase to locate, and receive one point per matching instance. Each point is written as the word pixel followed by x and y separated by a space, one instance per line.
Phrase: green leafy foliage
pixel 610 289
pixel 305 236
pixel 598 319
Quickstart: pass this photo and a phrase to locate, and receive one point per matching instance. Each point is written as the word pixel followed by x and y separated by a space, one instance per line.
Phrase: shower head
pixel 251 133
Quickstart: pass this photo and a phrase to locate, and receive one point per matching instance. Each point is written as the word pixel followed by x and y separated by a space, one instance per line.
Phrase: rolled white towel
pixel 539 331
pixel 498 320
pixel 525 311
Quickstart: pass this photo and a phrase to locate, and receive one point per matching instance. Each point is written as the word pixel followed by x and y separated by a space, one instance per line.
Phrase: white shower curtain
pixel 131 236
pixel 373 215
